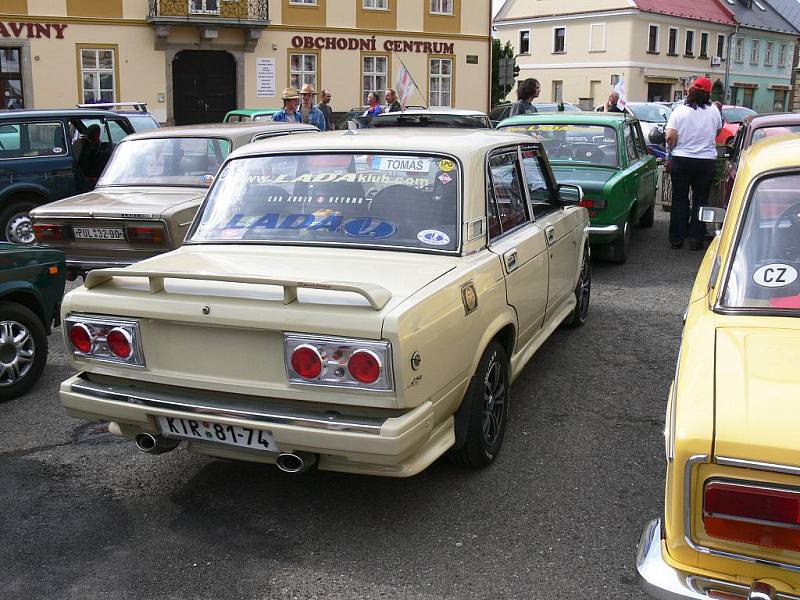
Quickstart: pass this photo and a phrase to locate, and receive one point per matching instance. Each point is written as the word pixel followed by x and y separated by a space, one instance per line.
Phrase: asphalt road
pixel 83 514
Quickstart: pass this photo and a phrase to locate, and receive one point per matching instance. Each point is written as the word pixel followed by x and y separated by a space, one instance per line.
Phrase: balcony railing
pixel 219 12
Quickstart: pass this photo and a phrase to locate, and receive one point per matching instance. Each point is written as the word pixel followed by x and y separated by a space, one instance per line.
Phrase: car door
pixel 632 182
pixel 558 225
pixel 519 244
pixel 647 171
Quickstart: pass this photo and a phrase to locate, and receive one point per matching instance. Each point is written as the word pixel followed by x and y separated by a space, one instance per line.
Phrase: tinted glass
pixel 508 191
pixel 650 113
pixel 766 260
pixel 32 139
pixel 409 201
pixel 142 122
pixel 169 161
pixel 737 114
pixel 592 144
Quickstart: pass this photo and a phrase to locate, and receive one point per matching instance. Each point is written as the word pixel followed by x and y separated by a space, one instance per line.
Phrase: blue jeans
pixel 697 175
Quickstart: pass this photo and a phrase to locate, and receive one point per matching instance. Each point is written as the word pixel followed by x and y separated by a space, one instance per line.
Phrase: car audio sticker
pixel 775 275
pixel 433 237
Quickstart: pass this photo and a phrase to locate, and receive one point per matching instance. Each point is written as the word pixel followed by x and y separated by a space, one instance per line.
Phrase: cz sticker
pixel 775 275
pixel 433 237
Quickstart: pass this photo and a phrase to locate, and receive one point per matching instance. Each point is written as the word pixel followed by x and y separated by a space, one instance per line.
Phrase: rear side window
pixel 538 191
pixel 630 145
pixel 20 140
pixel 507 189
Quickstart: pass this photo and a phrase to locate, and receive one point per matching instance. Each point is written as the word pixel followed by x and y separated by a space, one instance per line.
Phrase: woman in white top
pixel 691 133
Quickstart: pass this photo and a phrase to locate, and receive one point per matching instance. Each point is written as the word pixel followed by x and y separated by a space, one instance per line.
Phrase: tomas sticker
pixel 408 164
pixel 446 165
pixel 433 237
pixel 775 275
pixel 445 178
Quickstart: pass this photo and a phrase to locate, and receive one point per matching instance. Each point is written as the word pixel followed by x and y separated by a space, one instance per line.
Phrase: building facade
pixel 193 60
pixel 579 50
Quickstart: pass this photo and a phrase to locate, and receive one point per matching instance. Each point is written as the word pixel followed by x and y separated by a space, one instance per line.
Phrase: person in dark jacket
pixel 527 92
pixel 611 103
pixel 86 155
pixel 325 107
pixel 392 105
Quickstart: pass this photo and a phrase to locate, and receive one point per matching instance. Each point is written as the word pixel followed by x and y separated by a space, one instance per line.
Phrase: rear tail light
pixel 147 235
pixel 752 514
pixel 338 362
pixel 48 233
pixel 106 339
pixel 597 203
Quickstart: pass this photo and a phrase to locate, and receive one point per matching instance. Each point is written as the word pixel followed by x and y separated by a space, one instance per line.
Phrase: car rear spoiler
pixel 376 295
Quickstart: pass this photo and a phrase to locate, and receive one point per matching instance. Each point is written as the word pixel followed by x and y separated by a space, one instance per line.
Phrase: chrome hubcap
pixel 17 350
pixel 20 229
pixel 585 288
pixel 494 406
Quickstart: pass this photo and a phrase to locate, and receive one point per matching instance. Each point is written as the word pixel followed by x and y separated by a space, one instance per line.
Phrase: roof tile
pixel 702 10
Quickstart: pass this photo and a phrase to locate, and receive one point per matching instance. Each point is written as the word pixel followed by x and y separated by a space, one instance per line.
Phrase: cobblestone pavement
pixel 85 515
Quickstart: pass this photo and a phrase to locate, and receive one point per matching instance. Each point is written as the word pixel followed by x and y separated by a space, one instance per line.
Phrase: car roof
pixel 461 143
pixel 50 113
pixel 587 118
pixel 779 152
pixel 436 111
pixel 766 120
pixel 252 111
pixel 228 130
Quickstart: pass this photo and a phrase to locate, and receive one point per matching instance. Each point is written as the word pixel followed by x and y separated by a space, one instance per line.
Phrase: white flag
pixel 404 84
pixel 620 89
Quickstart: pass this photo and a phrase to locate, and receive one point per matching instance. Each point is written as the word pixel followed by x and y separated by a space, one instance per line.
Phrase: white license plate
pixel 208 431
pixel 99 233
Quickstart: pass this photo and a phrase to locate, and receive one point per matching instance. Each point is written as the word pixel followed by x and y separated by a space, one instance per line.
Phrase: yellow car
pixel 731 525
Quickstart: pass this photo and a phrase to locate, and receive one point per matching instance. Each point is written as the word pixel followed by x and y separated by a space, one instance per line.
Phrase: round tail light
pixel 119 343
pixel 81 338
pixel 307 362
pixel 364 366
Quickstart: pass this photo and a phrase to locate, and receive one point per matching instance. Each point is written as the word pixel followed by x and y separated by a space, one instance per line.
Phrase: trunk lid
pixel 143 202
pixel 590 179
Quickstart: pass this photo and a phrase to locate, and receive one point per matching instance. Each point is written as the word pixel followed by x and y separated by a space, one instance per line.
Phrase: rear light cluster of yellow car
pixel 763 515
pixel 338 362
pixel 105 339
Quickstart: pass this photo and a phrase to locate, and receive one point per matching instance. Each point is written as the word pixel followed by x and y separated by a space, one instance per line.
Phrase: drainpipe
pixel 728 65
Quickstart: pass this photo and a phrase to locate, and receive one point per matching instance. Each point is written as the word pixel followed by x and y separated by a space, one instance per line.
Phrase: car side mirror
pixel 712 214
pixel 569 195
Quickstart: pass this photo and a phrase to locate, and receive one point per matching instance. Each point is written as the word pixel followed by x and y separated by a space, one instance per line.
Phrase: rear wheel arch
pixel 28 299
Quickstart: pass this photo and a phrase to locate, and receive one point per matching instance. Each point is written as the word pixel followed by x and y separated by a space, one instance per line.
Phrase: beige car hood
pixel 143 202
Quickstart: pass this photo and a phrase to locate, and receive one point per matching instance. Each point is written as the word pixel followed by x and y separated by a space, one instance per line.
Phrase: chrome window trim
pixel 748 311
pixel 758 466
pixel 687 512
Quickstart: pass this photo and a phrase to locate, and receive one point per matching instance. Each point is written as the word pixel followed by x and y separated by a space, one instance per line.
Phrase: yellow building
pixel 193 60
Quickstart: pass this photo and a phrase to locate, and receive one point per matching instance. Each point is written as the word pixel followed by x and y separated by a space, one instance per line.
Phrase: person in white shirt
pixel 692 158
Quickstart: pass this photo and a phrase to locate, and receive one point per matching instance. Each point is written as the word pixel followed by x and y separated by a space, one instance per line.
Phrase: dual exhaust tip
pixel 288 462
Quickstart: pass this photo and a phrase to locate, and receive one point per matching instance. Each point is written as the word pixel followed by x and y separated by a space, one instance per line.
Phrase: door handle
pixel 511 260
pixel 550 233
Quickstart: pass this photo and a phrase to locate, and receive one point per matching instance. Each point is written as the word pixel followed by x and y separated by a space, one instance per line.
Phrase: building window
pixel 689 47
pixel 441 7
pixel 782 55
pixel 374 75
pixel 779 105
pixel 769 54
pixel 721 46
pixel 525 41
pixel 739 56
pixel 98 75
pixel 703 45
pixel 597 37
pixel 204 7
pixel 754 52
pixel 11 78
pixel 673 41
pixel 558 91
pixel 440 82
pixel 653 39
pixel 304 2
pixel 302 70
pixel 376 4
pixel 747 97
pixel 559 39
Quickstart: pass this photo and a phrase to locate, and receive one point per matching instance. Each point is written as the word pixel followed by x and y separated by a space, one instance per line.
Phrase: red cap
pixel 702 83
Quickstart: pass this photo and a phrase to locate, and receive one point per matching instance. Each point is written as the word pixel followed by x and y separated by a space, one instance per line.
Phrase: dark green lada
pixel 31 286
pixel 606 155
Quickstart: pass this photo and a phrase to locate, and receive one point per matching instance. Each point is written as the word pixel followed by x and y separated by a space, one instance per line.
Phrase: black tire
pixel 486 416
pixel 582 293
pixel 15 224
pixel 14 350
pixel 648 218
pixel 619 249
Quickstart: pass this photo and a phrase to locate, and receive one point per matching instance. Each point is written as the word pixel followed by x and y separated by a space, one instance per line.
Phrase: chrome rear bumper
pixel 660 580
pixel 603 229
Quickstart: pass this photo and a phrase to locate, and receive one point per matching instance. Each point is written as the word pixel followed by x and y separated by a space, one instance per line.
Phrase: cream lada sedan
pixel 360 301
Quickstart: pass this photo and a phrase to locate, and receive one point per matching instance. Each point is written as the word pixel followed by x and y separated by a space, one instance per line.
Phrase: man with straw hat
pixel 310 113
pixel 289 113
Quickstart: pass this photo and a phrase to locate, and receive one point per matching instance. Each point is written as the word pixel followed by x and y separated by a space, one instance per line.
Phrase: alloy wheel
pixel 17 352
pixel 494 408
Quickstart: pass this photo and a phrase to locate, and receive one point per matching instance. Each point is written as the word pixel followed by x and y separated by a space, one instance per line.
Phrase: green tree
pixel 499 51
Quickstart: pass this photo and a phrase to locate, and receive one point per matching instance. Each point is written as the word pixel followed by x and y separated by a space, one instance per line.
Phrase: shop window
pixel 755 50
pixel 747 97
pixel 652 39
pixel 559 39
pixel 739 56
pixel 525 41
pixel 11 78
pixel 302 70
pixel 204 7
pixel 721 46
pixel 376 4
pixel 782 55
pixel 673 41
pixel 440 82
pixel 441 7
pixel 703 45
pixel 769 54
pixel 98 74
pixel 374 75
pixel 779 104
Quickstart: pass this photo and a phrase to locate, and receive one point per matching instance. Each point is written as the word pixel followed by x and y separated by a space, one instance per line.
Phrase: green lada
pixel 607 156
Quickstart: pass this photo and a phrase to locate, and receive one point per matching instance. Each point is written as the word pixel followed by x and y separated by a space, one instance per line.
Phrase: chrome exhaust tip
pixel 155 444
pixel 289 462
